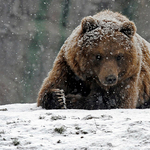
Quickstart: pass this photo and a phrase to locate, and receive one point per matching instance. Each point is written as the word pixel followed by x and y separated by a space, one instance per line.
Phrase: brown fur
pixel 103 64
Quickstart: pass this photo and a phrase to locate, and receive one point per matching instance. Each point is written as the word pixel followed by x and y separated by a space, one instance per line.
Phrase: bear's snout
pixel 110 80
pixel 108 74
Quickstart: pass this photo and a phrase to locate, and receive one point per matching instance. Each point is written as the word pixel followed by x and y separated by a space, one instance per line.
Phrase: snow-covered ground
pixel 26 127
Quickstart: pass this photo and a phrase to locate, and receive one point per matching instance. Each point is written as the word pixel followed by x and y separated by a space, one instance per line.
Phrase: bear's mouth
pixel 108 85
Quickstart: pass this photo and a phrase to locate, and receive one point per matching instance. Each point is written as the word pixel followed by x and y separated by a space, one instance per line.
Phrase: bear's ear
pixel 88 24
pixel 128 28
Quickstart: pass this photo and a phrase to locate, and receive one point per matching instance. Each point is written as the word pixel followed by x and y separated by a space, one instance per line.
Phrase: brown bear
pixel 103 64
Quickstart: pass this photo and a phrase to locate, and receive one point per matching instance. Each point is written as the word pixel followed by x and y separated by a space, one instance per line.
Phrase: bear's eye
pixel 119 57
pixel 98 57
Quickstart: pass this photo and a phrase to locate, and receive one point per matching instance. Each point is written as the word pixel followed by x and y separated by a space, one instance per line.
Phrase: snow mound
pixel 25 127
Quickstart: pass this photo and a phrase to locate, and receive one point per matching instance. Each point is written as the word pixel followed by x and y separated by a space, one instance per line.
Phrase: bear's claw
pixel 59 96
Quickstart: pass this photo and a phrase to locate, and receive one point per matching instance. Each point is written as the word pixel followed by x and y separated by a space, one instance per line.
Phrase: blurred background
pixel 32 32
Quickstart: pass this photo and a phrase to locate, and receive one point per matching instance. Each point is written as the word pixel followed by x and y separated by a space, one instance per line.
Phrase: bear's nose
pixel 111 79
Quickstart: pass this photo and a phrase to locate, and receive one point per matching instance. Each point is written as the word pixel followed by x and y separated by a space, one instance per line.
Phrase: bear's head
pixel 108 51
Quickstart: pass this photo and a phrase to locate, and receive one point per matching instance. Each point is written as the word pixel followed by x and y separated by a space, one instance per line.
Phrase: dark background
pixel 32 32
